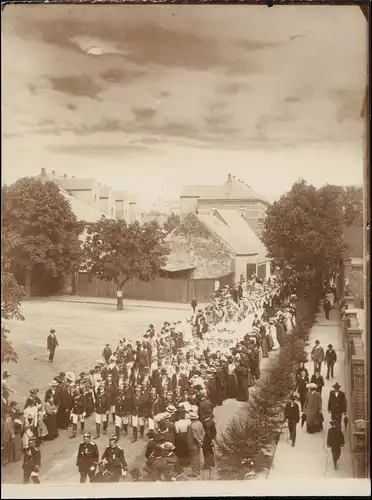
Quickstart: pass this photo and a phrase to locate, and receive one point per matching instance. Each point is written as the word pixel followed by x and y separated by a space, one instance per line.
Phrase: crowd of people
pixel 168 383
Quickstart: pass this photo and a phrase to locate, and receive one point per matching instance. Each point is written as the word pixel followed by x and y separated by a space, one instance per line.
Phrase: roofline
pixel 218 236
pixel 224 200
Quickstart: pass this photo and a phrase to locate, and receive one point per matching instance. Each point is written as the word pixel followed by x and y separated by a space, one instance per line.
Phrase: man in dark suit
pixel 52 344
pixel 337 405
pixel 335 441
pixel 330 359
pixel 155 378
pixel 292 415
pixel 179 380
pixel 87 458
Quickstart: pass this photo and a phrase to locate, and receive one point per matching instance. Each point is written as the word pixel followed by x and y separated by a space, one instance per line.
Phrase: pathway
pixel 310 457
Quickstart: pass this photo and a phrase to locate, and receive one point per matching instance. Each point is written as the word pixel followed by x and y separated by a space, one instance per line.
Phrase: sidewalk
pixel 310 457
pixel 112 302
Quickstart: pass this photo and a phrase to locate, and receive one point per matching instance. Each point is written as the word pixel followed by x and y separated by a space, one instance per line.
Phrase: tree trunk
pixel 119 297
pixel 28 284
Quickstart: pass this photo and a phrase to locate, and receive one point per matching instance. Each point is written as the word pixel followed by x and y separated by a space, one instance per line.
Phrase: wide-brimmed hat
pixel 171 409
pixel 330 346
pixel 336 385
pixel 193 415
pixel 167 446
pixel 52 331
pixel 311 386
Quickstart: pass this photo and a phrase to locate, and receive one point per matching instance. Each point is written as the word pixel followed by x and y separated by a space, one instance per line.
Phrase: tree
pixel 40 231
pixel 11 296
pixel 172 222
pixel 303 234
pixel 115 251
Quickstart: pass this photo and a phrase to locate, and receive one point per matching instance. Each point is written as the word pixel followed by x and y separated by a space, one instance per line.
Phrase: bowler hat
pixel 336 385
pixel 52 331
pixel 330 346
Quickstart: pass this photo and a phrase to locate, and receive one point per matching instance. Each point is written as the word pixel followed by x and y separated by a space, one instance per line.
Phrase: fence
pixel 160 289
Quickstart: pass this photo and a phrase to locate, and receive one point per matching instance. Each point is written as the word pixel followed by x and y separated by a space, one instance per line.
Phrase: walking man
pixel 317 356
pixel 31 462
pixel 114 460
pixel 87 458
pixel 292 415
pixel 337 405
pixel 52 344
pixel 335 441
pixel 330 360
pixel 196 434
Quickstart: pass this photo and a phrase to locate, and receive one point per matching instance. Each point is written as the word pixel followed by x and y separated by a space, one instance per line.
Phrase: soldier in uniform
pixel 114 460
pixel 87 458
pixel 78 411
pixel 123 405
pixel 135 403
pixel 101 407
pixel 31 462
pixel 107 352
pixel 111 391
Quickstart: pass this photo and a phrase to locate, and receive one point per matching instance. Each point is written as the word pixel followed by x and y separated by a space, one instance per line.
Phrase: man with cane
pixel 292 415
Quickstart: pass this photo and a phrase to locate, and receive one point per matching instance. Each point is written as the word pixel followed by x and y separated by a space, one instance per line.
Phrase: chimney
pixel 229 178
pixel 43 171
pixel 65 176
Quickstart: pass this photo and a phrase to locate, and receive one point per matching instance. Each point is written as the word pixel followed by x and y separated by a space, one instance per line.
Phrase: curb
pixel 114 304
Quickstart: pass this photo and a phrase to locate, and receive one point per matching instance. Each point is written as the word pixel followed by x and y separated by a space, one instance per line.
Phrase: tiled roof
pixel 75 183
pixel 196 191
pixel 233 189
pixel 234 231
pixel 177 265
pixel 83 211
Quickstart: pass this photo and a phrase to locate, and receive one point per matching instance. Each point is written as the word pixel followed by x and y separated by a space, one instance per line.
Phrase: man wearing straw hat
pixel 196 434
pixel 52 344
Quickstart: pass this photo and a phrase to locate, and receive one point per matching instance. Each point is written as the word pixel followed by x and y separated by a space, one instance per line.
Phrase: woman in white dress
pixel 272 333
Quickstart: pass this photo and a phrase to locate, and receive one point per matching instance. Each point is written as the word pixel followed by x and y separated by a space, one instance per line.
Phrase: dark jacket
pixel 337 404
pixel 319 381
pixel 330 356
pixel 292 412
pixel 335 438
pixel 31 459
pixel 87 456
pixel 115 459
pixel 52 342
pixel 182 381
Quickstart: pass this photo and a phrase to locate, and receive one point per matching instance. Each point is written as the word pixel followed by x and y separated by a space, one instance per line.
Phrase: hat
pixel 107 344
pixel 113 437
pixel 330 346
pixel 193 415
pixel 311 386
pixel 86 435
pixel 150 434
pixel 212 370
pixel 52 331
pixel 13 404
pixel 336 385
pixel 34 391
pixel 171 409
pixel 317 342
pixel 167 446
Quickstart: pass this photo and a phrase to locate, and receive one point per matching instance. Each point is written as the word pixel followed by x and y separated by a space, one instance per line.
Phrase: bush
pixel 249 441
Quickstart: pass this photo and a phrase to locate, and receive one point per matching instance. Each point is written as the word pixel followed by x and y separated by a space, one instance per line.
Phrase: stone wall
pixel 193 243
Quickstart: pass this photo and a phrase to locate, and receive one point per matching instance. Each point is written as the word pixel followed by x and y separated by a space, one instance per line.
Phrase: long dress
pixel 182 449
pixel 51 420
pixel 313 410
pixel 18 448
pixel 242 378
pixel 272 333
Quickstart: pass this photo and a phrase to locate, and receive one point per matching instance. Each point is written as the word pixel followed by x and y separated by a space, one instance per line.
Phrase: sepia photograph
pixel 184 256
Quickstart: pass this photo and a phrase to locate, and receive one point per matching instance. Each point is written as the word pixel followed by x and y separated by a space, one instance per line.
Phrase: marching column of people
pixel 163 382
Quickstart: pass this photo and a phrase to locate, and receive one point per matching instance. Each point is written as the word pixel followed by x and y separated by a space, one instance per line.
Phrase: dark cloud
pixel 144 113
pixel 120 75
pixel 252 45
pixel 98 149
pixel 76 85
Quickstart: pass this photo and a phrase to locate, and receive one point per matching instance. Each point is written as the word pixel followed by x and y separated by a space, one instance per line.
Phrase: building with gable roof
pixel 234 195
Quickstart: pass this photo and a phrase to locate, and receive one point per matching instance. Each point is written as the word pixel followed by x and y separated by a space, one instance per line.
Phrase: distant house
pixel 217 244
pixel 121 205
pixel 234 195
pixel 134 211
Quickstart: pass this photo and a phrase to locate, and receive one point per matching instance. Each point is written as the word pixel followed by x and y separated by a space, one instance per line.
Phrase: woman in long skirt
pixel 182 450
pixel 313 410
pixel 51 419
pixel 18 431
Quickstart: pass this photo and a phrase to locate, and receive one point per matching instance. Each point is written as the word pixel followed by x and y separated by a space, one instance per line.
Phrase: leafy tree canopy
pixel 116 251
pixel 172 222
pixel 303 234
pixel 39 228
pixel 11 296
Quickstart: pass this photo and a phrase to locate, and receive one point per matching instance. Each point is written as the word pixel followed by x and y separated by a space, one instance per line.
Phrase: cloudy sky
pixel 149 98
